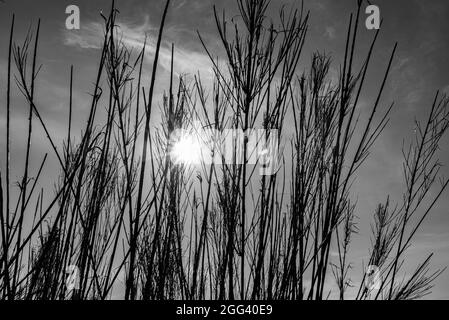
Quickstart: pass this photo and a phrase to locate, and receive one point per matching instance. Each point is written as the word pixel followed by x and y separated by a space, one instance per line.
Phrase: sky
pixel 419 69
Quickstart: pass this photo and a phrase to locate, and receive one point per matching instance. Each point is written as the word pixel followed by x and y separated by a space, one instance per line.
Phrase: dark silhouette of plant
pixel 127 216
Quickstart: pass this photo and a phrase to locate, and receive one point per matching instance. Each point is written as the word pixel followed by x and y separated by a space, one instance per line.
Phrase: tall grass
pixel 151 227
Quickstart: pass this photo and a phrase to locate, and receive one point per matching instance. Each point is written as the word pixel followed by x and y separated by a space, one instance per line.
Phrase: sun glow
pixel 186 149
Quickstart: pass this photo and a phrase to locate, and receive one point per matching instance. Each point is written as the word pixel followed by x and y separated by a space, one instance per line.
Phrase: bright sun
pixel 186 150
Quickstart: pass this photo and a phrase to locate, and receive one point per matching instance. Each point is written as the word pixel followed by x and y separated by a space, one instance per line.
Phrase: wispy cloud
pixel 186 60
pixel 86 38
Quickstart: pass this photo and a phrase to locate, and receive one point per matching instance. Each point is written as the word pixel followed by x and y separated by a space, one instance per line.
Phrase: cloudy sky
pixel 420 68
